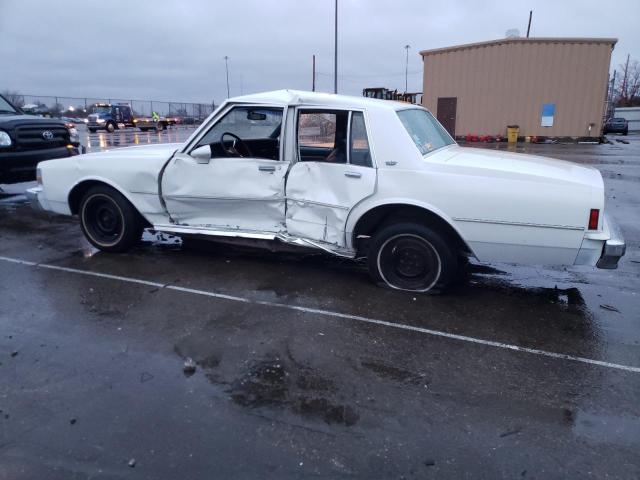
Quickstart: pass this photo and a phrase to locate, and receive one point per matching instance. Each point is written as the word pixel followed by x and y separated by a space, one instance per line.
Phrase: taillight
pixel 594 216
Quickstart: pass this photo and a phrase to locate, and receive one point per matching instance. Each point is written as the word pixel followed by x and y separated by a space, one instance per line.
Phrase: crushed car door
pixel 232 178
pixel 334 171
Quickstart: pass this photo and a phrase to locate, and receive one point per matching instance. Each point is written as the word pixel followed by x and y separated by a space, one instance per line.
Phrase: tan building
pixel 552 87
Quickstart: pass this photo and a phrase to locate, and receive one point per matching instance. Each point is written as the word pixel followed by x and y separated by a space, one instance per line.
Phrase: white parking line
pixel 329 313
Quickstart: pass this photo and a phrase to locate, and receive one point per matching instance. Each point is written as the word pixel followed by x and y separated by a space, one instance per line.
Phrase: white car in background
pixel 352 176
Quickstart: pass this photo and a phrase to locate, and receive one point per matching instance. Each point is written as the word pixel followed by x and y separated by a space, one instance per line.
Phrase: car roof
pixel 299 97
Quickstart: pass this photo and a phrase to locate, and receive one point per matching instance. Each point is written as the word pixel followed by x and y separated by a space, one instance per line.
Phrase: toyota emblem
pixel 47 135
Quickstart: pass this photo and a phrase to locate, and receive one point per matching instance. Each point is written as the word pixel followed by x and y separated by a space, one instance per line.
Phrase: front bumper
pixel 614 248
pixel 36 198
pixel 20 166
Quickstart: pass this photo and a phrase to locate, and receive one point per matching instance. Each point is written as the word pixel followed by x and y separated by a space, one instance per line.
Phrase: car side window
pixel 252 132
pixel 359 151
pixel 322 136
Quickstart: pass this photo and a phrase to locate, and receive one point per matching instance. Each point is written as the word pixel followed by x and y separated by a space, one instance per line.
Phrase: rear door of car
pixel 334 170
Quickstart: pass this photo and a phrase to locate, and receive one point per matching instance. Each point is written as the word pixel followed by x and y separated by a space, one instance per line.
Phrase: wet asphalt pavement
pixel 306 369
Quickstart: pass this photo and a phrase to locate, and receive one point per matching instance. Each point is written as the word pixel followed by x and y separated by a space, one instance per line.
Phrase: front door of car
pixel 232 177
pixel 334 171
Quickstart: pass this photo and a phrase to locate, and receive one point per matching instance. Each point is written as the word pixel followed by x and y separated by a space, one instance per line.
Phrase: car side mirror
pixel 202 154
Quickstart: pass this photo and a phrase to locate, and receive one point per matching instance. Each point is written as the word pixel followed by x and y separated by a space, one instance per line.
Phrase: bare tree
pixel 627 88
pixel 14 97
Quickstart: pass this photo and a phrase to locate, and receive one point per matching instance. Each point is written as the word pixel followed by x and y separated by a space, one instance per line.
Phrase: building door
pixel 447 113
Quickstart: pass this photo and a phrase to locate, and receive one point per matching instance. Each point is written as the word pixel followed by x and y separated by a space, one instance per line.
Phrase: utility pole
pixel 406 69
pixel 529 25
pixel 335 54
pixel 313 75
pixel 226 64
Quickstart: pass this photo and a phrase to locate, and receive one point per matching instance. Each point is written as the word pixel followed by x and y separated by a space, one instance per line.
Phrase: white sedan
pixel 352 176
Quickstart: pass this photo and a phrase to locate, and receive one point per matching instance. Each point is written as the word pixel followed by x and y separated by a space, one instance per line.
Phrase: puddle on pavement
pixel 272 383
pixel 277 383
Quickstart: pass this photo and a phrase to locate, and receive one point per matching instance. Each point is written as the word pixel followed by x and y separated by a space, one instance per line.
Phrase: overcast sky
pixel 173 50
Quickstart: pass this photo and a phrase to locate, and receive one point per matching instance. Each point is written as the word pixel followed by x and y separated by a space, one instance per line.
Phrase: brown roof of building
pixel 503 41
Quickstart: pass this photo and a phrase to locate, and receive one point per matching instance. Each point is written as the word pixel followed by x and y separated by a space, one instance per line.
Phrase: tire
pixel 92 130
pixel 108 220
pixel 625 133
pixel 143 129
pixel 412 257
pixel 159 127
pixel 111 127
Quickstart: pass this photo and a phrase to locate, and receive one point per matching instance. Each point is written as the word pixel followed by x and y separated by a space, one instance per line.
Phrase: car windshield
pixel 101 109
pixel 425 131
pixel 6 107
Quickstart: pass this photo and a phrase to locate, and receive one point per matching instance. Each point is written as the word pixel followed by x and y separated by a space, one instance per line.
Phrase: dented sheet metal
pixel 233 193
pixel 320 196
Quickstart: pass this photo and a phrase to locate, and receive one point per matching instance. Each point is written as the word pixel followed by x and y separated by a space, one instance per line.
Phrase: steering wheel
pixel 234 151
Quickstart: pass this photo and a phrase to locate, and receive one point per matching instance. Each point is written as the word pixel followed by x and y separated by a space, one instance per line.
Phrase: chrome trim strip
pixel 328 205
pixel 206 197
pixel 519 224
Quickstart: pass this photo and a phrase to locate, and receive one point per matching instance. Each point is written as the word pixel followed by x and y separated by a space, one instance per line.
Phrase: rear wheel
pixel 412 257
pixel 108 220
pixel 159 126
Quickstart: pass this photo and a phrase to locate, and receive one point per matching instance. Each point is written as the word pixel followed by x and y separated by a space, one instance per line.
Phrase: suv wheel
pixel 111 127
pixel 411 257
pixel 108 220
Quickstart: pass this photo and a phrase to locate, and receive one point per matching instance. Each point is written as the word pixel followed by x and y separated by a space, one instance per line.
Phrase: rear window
pixel 425 131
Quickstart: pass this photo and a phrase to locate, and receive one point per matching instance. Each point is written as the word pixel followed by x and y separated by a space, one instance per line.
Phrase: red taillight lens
pixel 594 216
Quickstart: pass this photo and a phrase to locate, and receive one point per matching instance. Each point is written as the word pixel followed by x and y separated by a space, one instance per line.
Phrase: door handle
pixel 267 168
pixel 352 174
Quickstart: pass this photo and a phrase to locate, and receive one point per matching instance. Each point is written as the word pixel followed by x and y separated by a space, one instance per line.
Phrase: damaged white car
pixel 352 176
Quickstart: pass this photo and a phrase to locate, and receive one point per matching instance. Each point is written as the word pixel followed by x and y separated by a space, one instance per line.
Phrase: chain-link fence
pixel 80 107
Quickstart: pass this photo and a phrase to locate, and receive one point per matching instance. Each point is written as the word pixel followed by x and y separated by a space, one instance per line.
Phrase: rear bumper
pixel 614 248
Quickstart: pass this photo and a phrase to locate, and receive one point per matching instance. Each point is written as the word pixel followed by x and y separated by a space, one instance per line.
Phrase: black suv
pixel 616 125
pixel 26 140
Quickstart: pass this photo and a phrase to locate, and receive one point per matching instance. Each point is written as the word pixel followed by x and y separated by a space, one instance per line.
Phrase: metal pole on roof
pixel 529 25
pixel 226 64
pixel 406 69
pixel 335 54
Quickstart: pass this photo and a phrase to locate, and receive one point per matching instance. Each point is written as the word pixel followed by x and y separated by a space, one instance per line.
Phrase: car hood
pixel 16 120
pixel 519 165
pixel 139 152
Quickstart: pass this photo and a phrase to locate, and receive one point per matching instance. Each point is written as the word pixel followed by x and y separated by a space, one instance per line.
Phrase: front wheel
pixel 108 220
pixel 412 257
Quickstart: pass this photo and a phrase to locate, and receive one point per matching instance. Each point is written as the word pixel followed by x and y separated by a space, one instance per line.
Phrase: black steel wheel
pixel 108 220
pixel 412 257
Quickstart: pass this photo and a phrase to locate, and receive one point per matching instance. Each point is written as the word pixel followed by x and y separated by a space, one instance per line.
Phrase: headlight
pixel 5 139
pixel 100 120
pixel 73 135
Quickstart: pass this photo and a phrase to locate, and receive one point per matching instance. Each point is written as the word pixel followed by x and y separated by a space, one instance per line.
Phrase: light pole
pixel 335 53
pixel 406 69
pixel 226 64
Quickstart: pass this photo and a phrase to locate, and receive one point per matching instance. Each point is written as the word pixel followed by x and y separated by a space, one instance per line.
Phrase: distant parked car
pixel 26 140
pixel 616 125
pixel 355 177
